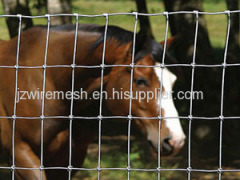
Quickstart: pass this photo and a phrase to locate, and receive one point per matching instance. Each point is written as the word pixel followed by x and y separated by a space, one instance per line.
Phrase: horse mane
pixel 121 35
pixel 143 46
pixel 113 32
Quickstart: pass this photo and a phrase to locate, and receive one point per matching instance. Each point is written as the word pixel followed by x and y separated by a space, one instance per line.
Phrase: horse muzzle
pixel 171 146
pixel 168 146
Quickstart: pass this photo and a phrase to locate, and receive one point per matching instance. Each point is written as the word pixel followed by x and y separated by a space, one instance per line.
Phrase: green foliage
pixel 118 158
pixel 216 24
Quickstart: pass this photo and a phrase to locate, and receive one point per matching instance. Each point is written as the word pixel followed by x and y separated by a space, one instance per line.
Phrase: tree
pixel 11 7
pixel 59 7
pixel 234 48
pixel 183 25
pixel 40 5
pixel 144 20
pixel 17 7
pixel 205 79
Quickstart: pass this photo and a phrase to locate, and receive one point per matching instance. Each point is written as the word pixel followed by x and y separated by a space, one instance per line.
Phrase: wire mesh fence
pixel 130 116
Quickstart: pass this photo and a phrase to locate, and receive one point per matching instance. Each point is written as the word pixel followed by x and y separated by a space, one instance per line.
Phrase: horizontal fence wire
pixel 193 65
pixel 117 14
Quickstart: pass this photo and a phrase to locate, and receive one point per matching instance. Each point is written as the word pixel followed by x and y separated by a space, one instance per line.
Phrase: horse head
pixel 149 79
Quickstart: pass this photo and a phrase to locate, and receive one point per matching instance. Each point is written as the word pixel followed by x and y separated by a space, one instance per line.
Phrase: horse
pixel 90 43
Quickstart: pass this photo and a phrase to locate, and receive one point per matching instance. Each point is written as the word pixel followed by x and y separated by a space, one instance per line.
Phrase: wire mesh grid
pixel 130 117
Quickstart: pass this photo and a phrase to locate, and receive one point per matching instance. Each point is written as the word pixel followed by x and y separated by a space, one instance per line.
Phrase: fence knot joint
pixel 100 117
pixel 129 117
pixel 224 65
pixel 128 169
pixel 105 15
pixel 189 169
pixel 41 168
pixel 220 170
pixel 193 65
pixel 228 12
pixel 162 65
pixel 19 16
pixel 197 13
pixel 131 65
pixel 69 168
pixel 165 13
pixel 13 167
pixel 16 67
pixel 102 66
pixel 135 14
pixel 221 118
pixel 76 15
pixel 99 169
pixel 190 117
pixel 48 17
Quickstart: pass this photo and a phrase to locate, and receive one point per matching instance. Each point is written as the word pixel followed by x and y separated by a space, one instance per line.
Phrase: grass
pixel 216 25
pixel 140 157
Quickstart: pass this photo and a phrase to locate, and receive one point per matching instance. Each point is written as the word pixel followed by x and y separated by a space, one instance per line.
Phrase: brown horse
pixel 119 43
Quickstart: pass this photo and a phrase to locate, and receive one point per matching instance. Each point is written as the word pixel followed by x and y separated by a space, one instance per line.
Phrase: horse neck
pixel 85 54
pixel 61 49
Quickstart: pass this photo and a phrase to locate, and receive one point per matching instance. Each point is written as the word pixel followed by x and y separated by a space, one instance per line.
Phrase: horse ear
pixel 171 42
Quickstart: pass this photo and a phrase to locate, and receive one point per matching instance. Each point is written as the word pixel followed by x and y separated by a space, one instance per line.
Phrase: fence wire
pixel 130 117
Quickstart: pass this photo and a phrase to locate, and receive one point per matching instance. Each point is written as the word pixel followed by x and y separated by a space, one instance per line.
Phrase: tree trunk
pixel 59 7
pixel 144 20
pixel 184 26
pixel 234 48
pixel 17 7
pixel 40 6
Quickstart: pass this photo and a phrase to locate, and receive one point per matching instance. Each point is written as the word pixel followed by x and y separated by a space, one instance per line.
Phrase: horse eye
pixel 141 81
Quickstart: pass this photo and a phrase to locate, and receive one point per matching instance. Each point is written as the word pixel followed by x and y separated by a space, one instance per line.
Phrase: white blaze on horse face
pixel 167 104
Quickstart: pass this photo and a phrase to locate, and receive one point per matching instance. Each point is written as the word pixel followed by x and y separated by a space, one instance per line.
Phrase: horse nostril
pixel 167 139
pixel 166 146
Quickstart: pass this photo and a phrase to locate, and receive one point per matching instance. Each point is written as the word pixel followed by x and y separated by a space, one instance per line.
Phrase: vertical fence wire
pixel 160 96
pixel 72 97
pixel 43 97
pixel 131 97
pixel 191 99
pixel 15 96
pixel 101 96
pixel 221 117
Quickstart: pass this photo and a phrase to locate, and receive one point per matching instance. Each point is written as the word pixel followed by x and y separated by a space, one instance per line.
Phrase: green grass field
pixel 116 157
